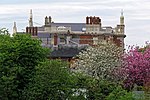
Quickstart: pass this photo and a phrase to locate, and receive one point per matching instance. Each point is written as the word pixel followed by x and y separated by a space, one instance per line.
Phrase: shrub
pixel 120 94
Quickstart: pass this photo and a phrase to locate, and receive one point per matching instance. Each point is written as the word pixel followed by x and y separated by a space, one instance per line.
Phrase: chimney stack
pixel 87 20
pixel 94 20
pixel 91 20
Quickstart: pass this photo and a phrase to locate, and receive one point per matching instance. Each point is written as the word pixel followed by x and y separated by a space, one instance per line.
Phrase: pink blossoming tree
pixel 137 67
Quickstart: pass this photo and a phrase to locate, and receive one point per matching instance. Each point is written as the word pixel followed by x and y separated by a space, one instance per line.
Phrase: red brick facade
pixel 32 30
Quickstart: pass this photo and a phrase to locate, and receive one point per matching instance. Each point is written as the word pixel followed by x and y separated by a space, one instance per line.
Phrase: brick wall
pixel 86 39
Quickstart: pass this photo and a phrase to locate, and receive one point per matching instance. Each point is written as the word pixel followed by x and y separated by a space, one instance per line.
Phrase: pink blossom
pixel 137 66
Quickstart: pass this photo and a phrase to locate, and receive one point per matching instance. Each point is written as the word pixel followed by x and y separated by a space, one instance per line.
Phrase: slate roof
pixel 65 52
pixel 74 26
pixel 44 35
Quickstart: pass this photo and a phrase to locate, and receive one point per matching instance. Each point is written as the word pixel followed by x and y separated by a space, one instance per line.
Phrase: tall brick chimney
pixel 87 20
pixel 94 20
pixel 32 30
pixel 91 20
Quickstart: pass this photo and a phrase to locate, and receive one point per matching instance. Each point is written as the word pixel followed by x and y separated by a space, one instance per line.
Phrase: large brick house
pixel 68 39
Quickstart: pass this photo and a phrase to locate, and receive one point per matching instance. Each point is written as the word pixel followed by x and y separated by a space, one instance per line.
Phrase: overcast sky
pixel 136 13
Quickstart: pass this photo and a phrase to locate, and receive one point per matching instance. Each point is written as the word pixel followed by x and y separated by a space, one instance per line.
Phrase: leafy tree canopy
pixel 18 57
pixel 52 81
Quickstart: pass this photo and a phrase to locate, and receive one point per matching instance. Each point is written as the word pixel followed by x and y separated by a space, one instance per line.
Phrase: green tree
pixel 18 57
pixel 52 81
